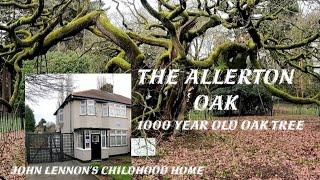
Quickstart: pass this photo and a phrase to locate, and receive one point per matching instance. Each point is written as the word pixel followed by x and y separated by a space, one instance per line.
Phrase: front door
pixel 95 146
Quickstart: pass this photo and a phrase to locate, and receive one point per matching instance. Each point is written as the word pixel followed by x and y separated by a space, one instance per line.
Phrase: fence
pixel 49 147
pixel 10 123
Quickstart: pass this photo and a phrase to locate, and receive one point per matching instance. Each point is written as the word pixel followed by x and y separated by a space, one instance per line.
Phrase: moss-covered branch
pixel 214 55
pixel 17 4
pixel 70 29
pixel 282 94
pixel 119 62
pixel 149 40
pixel 211 23
pixel 29 19
pixel 120 38
pixel 304 42
pixel 6 103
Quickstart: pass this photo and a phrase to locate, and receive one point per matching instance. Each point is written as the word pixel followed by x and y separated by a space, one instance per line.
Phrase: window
pixel 87 107
pixel 60 115
pixel 83 107
pixel 112 112
pixel 105 109
pixel 112 138
pixel 124 140
pixel 79 139
pixel 87 139
pixel 95 131
pixel 95 138
pixel 123 111
pixel 103 138
pixel 124 137
pixel 117 110
pixel 118 138
pixel 91 110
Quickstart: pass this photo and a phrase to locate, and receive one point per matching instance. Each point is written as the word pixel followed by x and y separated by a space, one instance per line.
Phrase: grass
pixel 123 160
pixel 278 109
pixel 294 109
pixel 10 123
pixel 120 176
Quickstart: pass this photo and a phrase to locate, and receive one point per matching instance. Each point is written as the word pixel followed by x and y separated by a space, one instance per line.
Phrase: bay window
pixel 124 137
pixel 112 138
pixel 79 138
pixel 103 139
pixel 118 138
pixel 87 139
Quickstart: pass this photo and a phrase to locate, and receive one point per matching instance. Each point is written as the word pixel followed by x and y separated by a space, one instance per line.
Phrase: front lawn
pixel 123 160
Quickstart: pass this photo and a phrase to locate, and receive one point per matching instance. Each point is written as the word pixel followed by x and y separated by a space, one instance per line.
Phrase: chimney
pixel 107 88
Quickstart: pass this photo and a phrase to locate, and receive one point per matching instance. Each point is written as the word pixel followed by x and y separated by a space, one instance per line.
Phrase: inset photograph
pixel 79 120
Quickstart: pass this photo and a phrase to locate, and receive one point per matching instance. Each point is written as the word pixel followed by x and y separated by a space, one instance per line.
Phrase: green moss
pixel 218 55
pixel 140 57
pixel 72 27
pixel 279 93
pixel 251 44
pixel 119 62
pixel 298 100
pixel 119 37
pixel 251 3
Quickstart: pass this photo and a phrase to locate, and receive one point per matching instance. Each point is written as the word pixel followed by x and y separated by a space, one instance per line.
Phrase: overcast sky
pixel 45 107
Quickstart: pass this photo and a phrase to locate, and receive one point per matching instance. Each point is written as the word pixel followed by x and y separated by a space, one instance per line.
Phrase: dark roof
pixel 102 95
pixel 97 95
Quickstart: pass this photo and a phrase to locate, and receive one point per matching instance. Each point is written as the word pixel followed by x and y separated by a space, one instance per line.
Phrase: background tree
pixel 50 127
pixel 104 85
pixel 65 88
pixel 30 121
pixel 46 85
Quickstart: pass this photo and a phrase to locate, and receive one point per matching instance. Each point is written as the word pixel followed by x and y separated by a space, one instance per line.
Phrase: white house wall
pixel 119 150
pixel 67 123
pixel 85 154
pixel 98 121
pixel 82 154
pixel 105 153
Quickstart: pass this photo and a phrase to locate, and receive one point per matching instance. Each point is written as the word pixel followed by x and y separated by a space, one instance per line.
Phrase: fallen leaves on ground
pixel 12 153
pixel 244 154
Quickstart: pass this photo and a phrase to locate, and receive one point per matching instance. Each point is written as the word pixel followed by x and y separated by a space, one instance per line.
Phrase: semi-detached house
pixel 100 122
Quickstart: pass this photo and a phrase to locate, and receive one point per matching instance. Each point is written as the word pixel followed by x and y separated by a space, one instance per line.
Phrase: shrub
pixel 253 100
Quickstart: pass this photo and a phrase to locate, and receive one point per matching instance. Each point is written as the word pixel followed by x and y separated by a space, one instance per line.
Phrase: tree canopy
pixel 262 34
pixel 29 118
